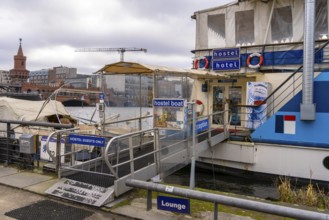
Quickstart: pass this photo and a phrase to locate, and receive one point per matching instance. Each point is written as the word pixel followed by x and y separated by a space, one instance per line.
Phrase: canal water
pixel 225 183
pixel 203 178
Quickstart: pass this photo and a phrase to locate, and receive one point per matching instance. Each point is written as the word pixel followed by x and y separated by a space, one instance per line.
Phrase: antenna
pixel 120 50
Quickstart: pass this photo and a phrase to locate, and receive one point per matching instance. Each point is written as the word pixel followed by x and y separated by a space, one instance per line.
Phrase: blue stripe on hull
pixel 290 57
pixel 306 133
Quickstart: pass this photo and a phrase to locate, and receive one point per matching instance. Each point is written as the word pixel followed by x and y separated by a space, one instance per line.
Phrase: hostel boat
pixel 274 54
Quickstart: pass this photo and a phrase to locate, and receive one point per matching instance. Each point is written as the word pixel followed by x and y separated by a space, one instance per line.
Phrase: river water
pixel 204 178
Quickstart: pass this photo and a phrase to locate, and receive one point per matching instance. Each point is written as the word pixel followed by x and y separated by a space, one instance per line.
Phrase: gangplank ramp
pixel 98 181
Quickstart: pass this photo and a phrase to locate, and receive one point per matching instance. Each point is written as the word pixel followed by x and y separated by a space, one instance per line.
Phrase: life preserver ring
pixel 202 63
pixel 206 63
pixel 199 107
pixel 261 60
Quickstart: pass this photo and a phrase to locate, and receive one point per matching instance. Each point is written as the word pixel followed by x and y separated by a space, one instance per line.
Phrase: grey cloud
pixel 163 27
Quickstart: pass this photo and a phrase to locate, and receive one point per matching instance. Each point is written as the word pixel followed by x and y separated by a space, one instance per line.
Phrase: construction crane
pixel 120 50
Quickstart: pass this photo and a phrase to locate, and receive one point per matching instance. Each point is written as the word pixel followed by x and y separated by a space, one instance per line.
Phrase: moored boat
pixel 275 57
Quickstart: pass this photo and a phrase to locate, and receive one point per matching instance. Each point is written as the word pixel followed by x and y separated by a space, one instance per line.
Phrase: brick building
pixel 19 74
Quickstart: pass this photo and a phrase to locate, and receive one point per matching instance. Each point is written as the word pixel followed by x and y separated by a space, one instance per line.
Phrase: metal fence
pixel 19 148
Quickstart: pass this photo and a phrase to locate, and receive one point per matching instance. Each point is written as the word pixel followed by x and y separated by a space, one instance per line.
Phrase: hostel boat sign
pixel 169 113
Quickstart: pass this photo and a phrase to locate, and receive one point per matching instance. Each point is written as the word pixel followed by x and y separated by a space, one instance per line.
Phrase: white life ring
pixel 199 107
pixel 261 60
pixel 201 63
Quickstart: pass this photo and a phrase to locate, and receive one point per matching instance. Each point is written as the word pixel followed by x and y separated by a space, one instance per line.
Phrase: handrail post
pixel 7 143
pixel 149 200
pixel 215 210
pixel 209 128
pixel 157 150
pixel 131 156
pixel 58 152
pixel 192 176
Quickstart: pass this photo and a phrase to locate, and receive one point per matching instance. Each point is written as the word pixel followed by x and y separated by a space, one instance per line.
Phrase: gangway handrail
pixel 105 157
pixel 53 157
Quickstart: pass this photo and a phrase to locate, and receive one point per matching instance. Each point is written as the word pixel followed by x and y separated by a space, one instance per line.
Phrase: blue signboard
pixel 87 140
pixel 227 53
pixel 101 96
pixel 202 125
pixel 168 103
pixel 221 65
pixel 173 204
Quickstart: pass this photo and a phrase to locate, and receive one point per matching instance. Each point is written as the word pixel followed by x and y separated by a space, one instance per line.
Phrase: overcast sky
pixel 53 30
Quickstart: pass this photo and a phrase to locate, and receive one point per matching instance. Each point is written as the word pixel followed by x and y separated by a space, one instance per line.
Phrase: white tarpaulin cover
pixel 17 109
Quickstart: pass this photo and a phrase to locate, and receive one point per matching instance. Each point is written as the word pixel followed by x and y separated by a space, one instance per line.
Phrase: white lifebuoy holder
pixel 261 60
pixel 199 107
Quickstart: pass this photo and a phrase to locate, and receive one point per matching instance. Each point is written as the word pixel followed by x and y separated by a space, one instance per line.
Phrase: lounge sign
pixel 173 204
pixel 226 59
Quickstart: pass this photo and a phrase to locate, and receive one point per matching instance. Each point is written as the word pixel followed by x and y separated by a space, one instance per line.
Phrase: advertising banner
pixel 52 147
pixel 256 93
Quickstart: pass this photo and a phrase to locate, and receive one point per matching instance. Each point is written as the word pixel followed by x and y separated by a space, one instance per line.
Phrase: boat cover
pixel 18 109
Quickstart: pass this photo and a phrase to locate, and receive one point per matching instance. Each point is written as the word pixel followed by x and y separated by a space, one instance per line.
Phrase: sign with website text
pixel 169 113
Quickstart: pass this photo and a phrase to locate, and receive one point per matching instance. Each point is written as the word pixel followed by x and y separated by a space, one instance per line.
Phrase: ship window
pixel 326 162
pixel 281 25
pixel 216 31
pixel 244 27
pixel 321 20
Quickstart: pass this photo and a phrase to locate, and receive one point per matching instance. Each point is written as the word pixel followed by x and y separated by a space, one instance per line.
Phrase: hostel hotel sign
pixel 226 59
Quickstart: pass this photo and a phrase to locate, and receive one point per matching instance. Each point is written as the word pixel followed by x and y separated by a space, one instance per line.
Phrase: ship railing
pixel 257 113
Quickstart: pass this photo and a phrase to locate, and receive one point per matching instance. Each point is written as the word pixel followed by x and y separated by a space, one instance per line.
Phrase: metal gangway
pixel 144 155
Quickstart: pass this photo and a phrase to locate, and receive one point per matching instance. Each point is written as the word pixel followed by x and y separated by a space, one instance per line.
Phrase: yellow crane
pixel 121 50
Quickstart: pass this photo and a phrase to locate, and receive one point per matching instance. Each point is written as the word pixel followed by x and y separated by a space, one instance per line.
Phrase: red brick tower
pixel 19 74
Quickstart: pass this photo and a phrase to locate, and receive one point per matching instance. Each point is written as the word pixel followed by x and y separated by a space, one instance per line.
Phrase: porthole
pixel 326 162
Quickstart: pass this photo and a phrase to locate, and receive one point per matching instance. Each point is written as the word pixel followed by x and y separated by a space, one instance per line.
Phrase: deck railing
pixel 261 111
